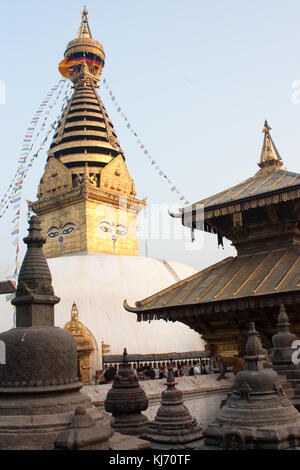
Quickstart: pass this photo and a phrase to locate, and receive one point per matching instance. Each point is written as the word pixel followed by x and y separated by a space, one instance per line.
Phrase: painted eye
pixel 53 232
pixel 68 228
pixel 121 230
pixel 105 226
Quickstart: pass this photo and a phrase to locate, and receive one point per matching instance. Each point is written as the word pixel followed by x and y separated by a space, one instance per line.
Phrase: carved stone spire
pixel 35 298
pixel 281 356
pixel 126 400
pixel 283 322
pixel 254 350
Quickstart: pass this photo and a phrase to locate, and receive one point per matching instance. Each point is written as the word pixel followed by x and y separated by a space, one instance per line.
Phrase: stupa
pixel 126 400
pixel 39 386
pixel 173 425
pixel 257 414
pixel 282 356
pixel 88 211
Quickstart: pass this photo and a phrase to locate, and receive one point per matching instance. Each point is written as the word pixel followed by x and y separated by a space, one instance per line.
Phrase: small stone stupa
pixel 173 426
pixel 39 386
pixel 257 414
pixel 281 356
pixel 126 400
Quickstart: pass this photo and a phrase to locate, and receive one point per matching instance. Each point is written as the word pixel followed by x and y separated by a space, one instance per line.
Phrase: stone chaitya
pixel 173 424
pixel 257 414
pixel 39 386
pixel 126 400
pixel 281 356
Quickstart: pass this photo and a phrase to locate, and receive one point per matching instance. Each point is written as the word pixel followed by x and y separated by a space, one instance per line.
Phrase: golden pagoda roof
pixel 235 280
pixel 269 185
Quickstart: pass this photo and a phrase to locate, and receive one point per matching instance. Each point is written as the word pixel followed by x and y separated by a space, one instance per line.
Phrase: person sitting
pixel 181 370
pixel 109 375
pixel 197 370
pixel 99 379
pixel 150 373
pixel 163 373
pixel 205 369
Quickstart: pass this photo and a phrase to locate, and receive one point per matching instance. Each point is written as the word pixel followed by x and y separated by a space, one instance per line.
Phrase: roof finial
pixel 84 29
pixel 269 157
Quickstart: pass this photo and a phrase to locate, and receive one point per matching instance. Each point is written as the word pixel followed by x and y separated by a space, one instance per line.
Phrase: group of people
pixel 197 368
pixel 146 371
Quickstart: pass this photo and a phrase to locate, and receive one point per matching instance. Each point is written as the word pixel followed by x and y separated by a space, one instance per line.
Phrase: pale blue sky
pixel 195 78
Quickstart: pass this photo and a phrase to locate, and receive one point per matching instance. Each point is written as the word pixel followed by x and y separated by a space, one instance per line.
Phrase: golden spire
pixel 84 29
pixel 84 56
pixel 269 157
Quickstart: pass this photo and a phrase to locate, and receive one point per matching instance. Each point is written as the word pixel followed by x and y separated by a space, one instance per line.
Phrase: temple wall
pixel 202 395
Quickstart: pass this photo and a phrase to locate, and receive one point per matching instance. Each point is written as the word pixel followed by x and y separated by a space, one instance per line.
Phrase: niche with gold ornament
pixel 84 343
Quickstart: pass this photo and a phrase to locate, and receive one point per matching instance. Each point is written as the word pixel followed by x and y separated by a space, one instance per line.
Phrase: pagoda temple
pixel 87 207
pixel 261 218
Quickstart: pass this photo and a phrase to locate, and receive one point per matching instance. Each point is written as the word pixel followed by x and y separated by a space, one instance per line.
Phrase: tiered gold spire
pixel 85 134
pixel 86 197
pixel 270 160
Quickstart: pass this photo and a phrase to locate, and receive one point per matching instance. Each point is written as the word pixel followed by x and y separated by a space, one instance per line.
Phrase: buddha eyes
pixel 105 226
pixel 121 230
pixel 68 228
pixel 53 232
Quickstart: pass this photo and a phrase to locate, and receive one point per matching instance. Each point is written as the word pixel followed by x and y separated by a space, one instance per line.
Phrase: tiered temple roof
pixel 261 218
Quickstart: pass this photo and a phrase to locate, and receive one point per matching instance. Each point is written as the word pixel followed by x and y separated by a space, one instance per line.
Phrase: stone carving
pixel 173 424
pixel 84 433
pixel 126 400
pixel 39 386
pixel 257 413
pixel 281 356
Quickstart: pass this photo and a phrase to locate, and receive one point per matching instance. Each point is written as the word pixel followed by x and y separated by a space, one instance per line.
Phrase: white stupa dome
pixel 99 283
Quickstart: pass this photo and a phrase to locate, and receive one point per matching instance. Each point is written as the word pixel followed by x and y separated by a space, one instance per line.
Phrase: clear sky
pixel 196 79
